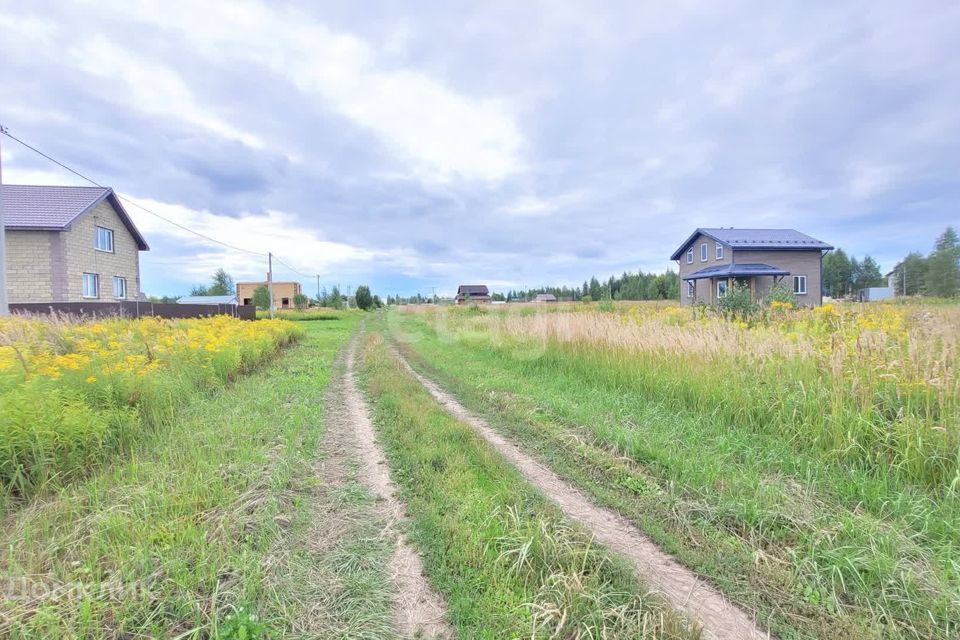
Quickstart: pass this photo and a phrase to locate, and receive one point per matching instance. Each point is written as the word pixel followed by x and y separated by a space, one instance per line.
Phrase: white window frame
pixel 123 294
pixel 703 252
pixel 798 280
pixel 726 287
pixel 690 256
pixel 108 235
pixel 95 278
pixel 719 251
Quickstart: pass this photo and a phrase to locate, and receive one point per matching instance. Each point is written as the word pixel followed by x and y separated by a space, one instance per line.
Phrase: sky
pixel 420 145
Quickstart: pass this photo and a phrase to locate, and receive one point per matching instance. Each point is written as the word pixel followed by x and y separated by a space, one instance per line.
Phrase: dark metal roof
pixel 473 290
pixel 777 239
pixel 45 208
pixel 735 270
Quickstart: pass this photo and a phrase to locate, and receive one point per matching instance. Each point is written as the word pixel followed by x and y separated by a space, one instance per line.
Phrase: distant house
pixel 714 260
pixel 207 300
pixel 545 297
pixel 69 244
pixel 283 293
pixel 472 293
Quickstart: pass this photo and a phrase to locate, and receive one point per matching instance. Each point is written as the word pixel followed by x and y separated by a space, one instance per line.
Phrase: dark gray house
pixel 714 260
pixel 472 293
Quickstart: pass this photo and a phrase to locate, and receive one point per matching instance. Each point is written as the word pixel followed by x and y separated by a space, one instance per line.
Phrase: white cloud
pixel 276 231
pixel 149 87
pixel 444 134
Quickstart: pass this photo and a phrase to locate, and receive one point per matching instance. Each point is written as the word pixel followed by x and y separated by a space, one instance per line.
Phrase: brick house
pixel 283 293
pixel 714 260
pixel 69 244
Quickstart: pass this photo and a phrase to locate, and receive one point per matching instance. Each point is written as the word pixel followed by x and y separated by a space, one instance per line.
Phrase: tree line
pixel 936 274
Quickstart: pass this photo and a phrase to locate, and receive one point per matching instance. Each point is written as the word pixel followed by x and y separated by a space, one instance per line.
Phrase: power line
pixel 7 133
pixel 302 275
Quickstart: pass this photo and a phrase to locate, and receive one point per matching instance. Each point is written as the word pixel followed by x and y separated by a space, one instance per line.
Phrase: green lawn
pixel 508 562
pixel 202 529
pixel 817 548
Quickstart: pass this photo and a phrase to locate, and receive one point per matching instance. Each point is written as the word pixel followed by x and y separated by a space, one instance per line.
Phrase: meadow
pixel 74 393
pixel 204 528
pixel 805 461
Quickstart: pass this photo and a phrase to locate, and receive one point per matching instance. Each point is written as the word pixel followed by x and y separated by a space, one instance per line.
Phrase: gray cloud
pixel 510 142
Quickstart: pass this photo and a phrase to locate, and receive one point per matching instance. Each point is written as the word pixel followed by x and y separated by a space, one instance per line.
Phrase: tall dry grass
pixel 874 385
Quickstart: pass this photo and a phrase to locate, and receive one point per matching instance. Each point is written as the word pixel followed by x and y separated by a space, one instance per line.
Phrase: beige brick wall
pixel 29 274
pixel 83 257
pixel 281 291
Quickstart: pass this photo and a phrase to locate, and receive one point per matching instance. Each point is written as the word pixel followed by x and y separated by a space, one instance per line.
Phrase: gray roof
pixel 778 239
pixel 207 300
pixel 735 270
pixel 473 289
pixel 46 208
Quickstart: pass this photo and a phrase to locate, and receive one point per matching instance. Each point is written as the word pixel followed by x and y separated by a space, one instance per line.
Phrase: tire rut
pixel 418 610
pixel 718 618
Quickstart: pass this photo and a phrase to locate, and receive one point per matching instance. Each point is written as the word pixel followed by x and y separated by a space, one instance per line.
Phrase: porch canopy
pixel 736 271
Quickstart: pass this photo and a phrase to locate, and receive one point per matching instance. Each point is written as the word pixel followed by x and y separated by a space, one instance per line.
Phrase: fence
pixel 136 309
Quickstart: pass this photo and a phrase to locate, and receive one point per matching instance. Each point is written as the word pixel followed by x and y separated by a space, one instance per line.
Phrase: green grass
pixel 196 529
pixel 818 547
pixel 507 561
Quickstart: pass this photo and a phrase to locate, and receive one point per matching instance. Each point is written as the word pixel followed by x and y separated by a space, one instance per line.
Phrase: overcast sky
pixel 411 145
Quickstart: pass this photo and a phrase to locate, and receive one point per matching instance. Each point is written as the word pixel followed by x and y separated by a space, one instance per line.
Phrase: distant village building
pixel 545 297
pixel 712 261
pixel 69 244
pixel 283 292
pixel 472 293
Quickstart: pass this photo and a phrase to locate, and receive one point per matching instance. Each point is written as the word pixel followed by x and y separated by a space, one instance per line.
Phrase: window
pixel 119 287
pixel 91 285
pixel 285 302
pixel 104 240
pixel 690 256
pixel 721 288
pixel 799 285
pixel 691 288
pixel 703 252
pixel 719 251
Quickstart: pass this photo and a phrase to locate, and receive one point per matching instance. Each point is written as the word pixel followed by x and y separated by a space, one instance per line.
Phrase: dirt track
pixel 719 618
pixel 418 610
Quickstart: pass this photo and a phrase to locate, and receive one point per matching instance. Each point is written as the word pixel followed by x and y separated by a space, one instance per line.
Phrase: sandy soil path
pixel 719 618
pixel 418 610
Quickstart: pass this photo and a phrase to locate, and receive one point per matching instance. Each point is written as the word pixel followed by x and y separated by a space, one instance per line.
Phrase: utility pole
pixel 434 290
pixel 348 296
pixel 270 280
pixel 4 308
pixel 318 288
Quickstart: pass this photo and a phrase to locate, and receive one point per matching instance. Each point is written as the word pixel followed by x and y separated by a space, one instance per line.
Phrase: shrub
pixel 261 298
pixel 737 304
pixel 300 301
pixel 782 295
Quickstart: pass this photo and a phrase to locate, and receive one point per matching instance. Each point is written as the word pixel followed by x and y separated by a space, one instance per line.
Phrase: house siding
pixel 29 272
pixel 806 263
pixel 702 293
pixel 83 257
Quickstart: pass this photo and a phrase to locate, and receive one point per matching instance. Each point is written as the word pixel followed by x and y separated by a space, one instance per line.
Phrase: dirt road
pixel 718 617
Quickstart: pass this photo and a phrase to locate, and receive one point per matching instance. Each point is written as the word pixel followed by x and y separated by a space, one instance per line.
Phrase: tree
pixel 911 272
pixel 866 274
pixel 300 301
pixel 221 285
pixel 199 290
pixel 943 266
pixel 261 298
pixel 363 298
pixel 837 273
pixel 335 300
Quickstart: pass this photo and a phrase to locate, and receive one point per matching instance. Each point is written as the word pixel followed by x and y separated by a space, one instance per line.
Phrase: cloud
pixel 420 145
pixel 446 134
